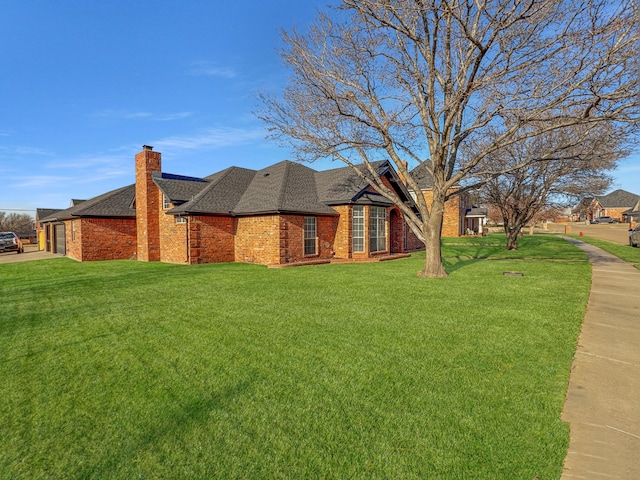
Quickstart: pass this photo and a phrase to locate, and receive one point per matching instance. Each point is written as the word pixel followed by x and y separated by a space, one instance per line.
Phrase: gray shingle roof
pixel 475 211
pixel 221 194
pixel 343 185
pixel 422 175
pixel 618 199
pixel 116 203
pixel 283 187
pixel 178 188
pixel 42 213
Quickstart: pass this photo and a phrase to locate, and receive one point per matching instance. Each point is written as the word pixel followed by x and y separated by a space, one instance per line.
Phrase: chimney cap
pixel 147 147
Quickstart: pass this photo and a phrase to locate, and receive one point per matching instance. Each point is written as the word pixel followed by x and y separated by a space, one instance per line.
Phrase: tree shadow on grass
pixel 454 264
pixel 170 425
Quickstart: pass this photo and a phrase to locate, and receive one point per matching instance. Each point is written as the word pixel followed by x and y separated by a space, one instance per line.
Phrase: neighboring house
pixel 613 205
pixel 286 213
pixel 461 216
pixel 633 214
pixel 581 212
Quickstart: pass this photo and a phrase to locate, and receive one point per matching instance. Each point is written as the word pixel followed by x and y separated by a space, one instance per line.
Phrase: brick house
pixel 284 214
pixel 614 205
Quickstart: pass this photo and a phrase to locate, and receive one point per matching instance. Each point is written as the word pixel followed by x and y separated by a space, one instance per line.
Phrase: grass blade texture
pixel 146 370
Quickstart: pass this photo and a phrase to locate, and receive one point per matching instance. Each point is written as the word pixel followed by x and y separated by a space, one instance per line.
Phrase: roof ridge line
pixel 283 188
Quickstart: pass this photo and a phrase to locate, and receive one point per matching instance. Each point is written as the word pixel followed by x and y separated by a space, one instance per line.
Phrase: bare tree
pixel 558 171
pixel 19 223
pixel 411 80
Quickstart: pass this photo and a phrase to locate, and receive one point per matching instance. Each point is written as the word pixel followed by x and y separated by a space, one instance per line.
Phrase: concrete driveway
pixel 30 253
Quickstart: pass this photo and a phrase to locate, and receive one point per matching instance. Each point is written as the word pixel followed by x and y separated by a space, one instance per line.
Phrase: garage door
pixel 60 239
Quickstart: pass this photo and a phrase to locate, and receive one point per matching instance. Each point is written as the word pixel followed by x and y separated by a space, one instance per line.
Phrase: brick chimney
pixel 405 164
pixel 147 205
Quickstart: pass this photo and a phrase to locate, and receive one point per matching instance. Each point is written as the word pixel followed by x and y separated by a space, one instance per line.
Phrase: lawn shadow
pixel 171 423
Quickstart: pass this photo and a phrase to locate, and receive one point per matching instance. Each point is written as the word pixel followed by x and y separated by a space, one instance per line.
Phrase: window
pixel 358 229
pixel 181 219
pixel 377 229
pixel 73 230
pixel 166 202
pixel 310 238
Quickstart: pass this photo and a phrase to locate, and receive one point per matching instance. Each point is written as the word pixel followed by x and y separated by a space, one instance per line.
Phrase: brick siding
pixel 148 198
pixel 211 239
pixel 173 238
pixel 258 240
pixel 454 210
pixel 342 244
pixel 100 238
pixel 292 238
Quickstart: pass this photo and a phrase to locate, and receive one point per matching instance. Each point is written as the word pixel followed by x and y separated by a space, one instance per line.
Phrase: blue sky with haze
pixel 86 83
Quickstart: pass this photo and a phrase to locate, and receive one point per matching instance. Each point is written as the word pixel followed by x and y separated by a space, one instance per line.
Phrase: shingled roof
pixel 422 175
pixel 618 199
pixel 344 185
pixel 116 203
pixel 221 194
pixel 42 213
pixel 178 188
pixel 285 187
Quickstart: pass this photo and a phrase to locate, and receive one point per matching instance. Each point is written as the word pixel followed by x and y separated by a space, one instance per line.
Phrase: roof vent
pixel 265 174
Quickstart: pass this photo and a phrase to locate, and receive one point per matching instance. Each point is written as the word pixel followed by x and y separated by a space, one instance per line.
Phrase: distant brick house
pixel 615 205
pixel 284 214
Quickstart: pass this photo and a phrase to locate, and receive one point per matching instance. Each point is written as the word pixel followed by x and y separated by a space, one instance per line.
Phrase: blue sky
pixel 86 83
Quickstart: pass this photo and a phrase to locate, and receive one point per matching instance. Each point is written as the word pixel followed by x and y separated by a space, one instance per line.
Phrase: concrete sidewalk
pixel 603 399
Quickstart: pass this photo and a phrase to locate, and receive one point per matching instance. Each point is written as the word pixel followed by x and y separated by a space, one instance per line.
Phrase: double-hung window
pixel 358 229
pixel 377 229
pixel 310 236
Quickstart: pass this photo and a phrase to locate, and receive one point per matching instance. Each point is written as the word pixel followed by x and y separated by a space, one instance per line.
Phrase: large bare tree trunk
pixel 512 237
pixel 433 267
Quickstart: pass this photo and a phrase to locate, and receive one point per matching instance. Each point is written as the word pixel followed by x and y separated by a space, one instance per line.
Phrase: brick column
pixel 147 205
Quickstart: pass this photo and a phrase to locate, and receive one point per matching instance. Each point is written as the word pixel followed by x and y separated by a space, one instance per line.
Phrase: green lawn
pixel 134 370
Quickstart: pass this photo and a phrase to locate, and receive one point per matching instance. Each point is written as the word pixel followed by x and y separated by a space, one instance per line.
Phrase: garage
pixel 59 239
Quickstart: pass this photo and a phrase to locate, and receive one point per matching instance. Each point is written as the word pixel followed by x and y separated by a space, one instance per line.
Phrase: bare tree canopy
pixel 453 82
pixel 558 172
pixel 19 223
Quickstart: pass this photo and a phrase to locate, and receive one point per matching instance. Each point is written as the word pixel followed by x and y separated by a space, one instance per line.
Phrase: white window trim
pixel 304 237
pixel 364 232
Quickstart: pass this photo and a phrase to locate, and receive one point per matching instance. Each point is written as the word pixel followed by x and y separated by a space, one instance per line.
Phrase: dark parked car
pixel 634 237
pixel 605 220
pixel 9 242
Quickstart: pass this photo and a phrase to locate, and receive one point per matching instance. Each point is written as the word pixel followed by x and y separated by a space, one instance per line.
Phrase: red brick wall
pixel 278 239
pixel 173 239
pixel 101 239
pixel 412 242
pixel 148 198
pixel 211 239
pixel 292 238
pixel 73 238
pixel 396 230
